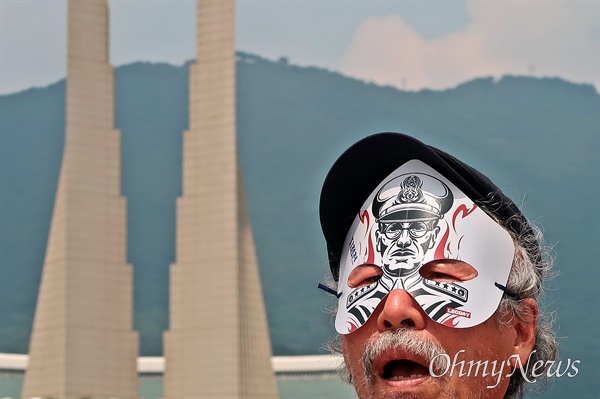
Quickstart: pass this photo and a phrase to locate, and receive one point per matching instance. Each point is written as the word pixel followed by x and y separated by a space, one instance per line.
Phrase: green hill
pixel 538 138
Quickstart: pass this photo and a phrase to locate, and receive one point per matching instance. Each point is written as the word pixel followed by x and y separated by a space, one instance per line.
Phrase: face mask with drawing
pixel 416 216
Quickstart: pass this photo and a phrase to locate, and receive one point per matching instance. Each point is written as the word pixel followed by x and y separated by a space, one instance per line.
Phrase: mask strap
pixel 329 290
pixel 508 292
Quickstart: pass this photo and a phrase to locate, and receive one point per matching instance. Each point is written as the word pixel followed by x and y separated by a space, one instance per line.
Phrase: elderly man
pixel 437 275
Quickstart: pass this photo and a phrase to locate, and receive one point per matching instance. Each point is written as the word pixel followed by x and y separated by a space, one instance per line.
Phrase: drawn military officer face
pixel 407 223
pixel 403 245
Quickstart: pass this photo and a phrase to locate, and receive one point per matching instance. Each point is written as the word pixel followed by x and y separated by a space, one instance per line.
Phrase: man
pixel 437 275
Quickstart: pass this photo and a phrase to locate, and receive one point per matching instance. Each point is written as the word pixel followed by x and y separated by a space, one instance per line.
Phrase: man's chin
pixel 421 387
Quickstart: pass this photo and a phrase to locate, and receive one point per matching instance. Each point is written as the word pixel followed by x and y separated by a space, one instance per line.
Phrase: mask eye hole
pixel 448 270
pixel 364 275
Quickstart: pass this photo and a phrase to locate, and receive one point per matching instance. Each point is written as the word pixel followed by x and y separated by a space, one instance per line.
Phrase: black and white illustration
pixel 413 217
pixel 408 210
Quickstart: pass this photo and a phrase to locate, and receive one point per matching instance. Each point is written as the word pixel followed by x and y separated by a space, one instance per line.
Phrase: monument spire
pixel 83 343
pixel 218 342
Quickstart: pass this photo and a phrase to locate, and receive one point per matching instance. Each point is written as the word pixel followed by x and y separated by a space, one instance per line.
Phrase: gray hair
pixel 526 279
pixel 532 267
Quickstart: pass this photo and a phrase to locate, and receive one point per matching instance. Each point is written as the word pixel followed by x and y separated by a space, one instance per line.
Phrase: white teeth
pixel 401 378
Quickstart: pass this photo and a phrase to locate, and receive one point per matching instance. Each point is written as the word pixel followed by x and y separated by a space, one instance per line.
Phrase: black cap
pixel 361 168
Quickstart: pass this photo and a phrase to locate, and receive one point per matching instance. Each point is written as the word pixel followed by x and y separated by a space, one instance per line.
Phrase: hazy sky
pixel 408 44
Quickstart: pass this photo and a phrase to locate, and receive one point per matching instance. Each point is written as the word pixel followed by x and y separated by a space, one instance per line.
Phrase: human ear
pixel 525 326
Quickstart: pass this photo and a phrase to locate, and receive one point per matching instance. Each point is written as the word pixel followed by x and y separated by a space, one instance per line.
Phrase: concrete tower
pixel 218 343
pixel 83 344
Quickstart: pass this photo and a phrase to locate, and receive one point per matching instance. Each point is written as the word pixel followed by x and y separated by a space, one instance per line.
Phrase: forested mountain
pixel 537 138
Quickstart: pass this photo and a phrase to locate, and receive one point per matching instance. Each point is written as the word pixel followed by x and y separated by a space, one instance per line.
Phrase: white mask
pixel 413 217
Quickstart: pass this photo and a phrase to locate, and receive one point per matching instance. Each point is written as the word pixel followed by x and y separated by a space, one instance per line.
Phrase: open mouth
pixel 403 369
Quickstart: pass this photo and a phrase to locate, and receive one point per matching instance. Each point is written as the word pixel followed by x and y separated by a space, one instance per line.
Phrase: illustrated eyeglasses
pixel 393 230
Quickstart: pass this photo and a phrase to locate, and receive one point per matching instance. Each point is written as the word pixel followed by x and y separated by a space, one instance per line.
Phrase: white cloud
pixel 557 38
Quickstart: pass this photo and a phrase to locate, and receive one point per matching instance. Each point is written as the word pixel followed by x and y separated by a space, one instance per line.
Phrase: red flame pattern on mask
pixel 444 249
pixel 451 322
pixel 465 212
pixel 370 251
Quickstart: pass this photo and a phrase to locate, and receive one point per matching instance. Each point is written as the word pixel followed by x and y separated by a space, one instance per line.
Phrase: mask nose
pixel 404 239
pixel 401 310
